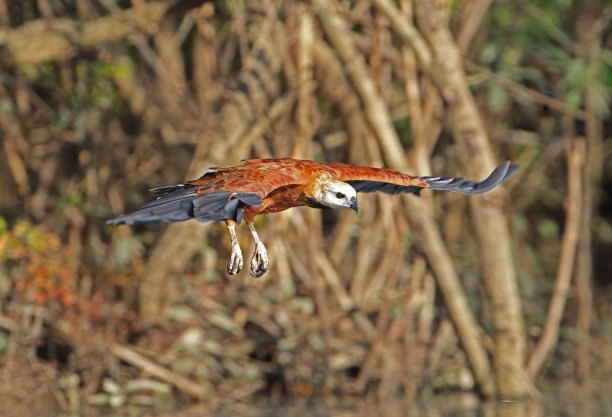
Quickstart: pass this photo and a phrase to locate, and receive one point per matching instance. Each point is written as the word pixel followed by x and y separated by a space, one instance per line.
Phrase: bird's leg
pixel 259 261
pixel 235 264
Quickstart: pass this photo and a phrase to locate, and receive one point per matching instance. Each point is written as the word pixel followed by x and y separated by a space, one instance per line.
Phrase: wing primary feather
pixel 443 183
pixel 162 191
pixel 501 174
pixel 511 171
pixel 493 180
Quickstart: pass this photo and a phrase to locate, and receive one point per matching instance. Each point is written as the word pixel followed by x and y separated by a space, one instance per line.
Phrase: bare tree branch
pixel 574 205
pixel 38 41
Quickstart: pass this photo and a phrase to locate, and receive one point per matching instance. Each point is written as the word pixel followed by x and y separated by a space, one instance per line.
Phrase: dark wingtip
pixel 493 180
pixel 500 174
pixel 511 171
pixel 118 221
pixel 443 183
pixel 115 221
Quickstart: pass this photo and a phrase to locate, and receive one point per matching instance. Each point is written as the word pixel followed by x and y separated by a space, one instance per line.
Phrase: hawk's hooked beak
pixel 354 204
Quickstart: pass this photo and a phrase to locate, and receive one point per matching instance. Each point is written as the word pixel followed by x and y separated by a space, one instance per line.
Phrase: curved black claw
pixel 499 175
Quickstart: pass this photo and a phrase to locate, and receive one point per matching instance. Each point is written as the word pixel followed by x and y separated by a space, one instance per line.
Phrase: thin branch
pixel 305 85
pixel 575 161
pixel 407 32
pixel 475 12
pixel 528 93
pixel 136 359
pixel 334 281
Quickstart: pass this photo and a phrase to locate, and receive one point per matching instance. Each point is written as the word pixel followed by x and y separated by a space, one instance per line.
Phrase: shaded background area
pixel 498 296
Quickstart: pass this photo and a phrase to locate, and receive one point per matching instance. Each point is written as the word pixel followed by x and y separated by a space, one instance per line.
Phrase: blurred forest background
pixel 497 295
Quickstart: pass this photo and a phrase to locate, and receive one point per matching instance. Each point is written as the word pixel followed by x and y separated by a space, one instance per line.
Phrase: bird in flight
pixel 262 186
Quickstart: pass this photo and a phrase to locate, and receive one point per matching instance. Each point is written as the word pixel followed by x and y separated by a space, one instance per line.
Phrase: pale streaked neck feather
pixel 322 182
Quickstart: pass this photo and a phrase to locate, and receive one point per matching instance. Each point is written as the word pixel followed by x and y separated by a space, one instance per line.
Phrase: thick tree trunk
pixel 488 215
pixel 443 63
pixel 429 234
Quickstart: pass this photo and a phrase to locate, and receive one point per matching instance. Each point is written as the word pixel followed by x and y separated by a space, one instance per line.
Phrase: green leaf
pixel 4 342
pixel 180 313
pixel 497 98
pixel 99 399
pixel 148 385
pixel 489 53
pixel 574 98
pixel 548 228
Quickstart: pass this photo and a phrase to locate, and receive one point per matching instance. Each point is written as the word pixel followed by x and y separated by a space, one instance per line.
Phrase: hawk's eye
pixel 340 196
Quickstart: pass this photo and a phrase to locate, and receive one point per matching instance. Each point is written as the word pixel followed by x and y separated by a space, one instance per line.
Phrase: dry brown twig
pixel 136 359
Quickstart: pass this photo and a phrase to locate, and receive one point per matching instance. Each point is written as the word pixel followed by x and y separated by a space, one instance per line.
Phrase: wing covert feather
pixel 255 176
pixel 369 179
pixel 347 172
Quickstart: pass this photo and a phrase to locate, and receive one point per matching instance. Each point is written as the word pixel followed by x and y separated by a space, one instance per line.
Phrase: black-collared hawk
pixel 262 186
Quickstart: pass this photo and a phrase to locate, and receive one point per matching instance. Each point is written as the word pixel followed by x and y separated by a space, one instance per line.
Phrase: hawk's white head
pixel 337 194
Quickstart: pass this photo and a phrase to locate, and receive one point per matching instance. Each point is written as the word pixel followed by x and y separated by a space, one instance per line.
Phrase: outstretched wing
pixel 219 194
pixel 368 180
pixel 184 203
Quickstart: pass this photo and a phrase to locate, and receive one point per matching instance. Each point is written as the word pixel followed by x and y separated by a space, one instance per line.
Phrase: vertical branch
pixel 469 132
pixel 574 206
pixel 583 284
pixel 425 129
pixel 314 240
pixel 305 87
pixel 375 109
pixel 590 25
pixel 474 12
pixel 333 83
pixel 4 14
pixel 429 234
pixel 158 290
pixel 205 61
pixel 170 75
pixel 407 32
pixel 12 137
pixel 303 148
